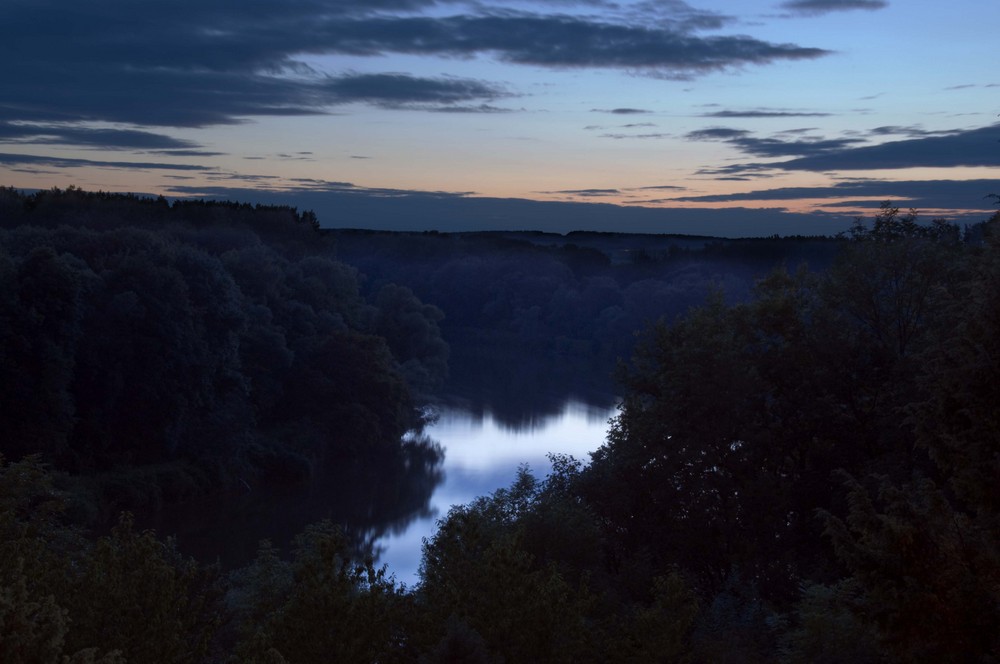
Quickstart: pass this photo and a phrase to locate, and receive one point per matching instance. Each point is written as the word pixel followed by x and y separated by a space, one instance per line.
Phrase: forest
pixel 530 313
pixel 211 410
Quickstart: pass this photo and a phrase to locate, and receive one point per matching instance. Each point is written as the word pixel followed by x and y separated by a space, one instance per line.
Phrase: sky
pixel 718 117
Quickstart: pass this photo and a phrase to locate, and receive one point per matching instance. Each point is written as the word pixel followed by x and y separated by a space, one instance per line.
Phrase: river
pixel 482 454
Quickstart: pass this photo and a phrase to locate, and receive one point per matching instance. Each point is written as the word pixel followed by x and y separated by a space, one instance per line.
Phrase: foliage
pixel 827 628
pixel 530 311
pixel 924 552
pixel 161 352
pixel 741 422
pixel 807 475
pixel 136 594
pixel 890 226
pixel 477 569
pixel 125 597
pixel 659 631
pixel 322 606
pixel 520 576
pixel 33 625
pixel 926 586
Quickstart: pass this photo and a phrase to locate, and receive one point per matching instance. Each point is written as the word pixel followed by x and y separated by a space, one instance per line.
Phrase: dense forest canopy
pixel 803 467
pixel 157 353
pixel 529 313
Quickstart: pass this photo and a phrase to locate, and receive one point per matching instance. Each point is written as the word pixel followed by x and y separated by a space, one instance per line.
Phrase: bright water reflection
pixel 483 455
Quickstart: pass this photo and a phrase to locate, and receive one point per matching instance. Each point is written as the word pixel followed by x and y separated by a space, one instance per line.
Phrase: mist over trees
pixel 802 468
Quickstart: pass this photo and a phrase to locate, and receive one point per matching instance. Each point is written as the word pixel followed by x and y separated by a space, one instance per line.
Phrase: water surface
pixel 483 453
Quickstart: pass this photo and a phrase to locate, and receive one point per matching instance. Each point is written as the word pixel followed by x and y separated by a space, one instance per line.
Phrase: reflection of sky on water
pixel 482 456
pixel 481 443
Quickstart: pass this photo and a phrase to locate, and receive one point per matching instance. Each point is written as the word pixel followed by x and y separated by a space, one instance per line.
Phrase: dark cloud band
pixel 10 159
pixel 195 63
pixel 966 147
pixel 815 7
pixel 54 134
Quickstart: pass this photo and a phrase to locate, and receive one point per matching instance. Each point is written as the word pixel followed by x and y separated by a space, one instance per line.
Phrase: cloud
pixel 717 134
pixel 196 63
pixel 737 172
pixel 645 136
pixel 677 14
pixel 345 205
pixel 920 194
pixel 621 111
pixel 567 42
pixel 965 147
pixel 778 147
pixel 587 193
pixel 910 131
pixel 188 153
pixel 764 113
pixel 34 171
pixel 817 7
pixel 300 186
pixel 971 147
pixel 973 190
pixel 65 162
pixel 108 139
pixel 398 90
pixel 480 108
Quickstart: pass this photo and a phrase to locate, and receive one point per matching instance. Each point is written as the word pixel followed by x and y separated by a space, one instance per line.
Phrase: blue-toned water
pixel 482 454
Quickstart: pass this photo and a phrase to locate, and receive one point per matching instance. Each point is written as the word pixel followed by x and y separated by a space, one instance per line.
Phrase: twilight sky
pixel 726 117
